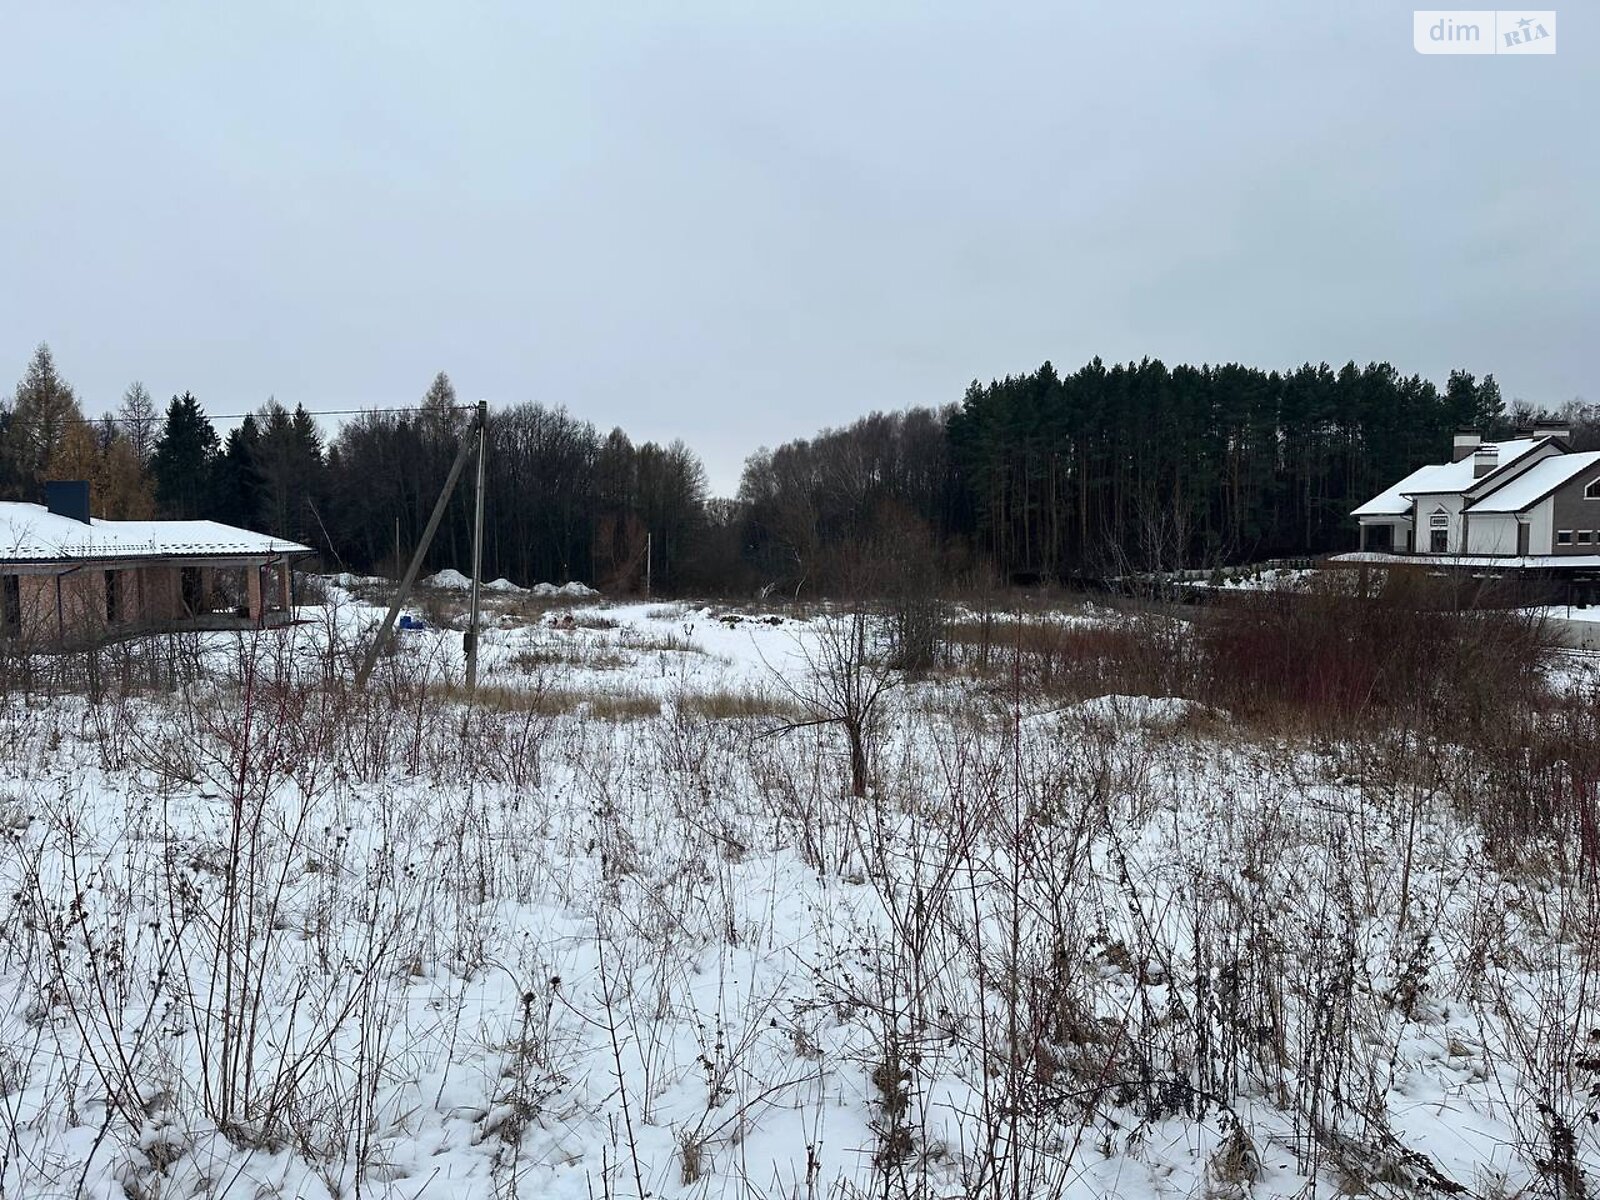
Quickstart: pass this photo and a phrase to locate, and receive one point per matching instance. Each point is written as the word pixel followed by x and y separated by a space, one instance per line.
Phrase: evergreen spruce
pixel 183 460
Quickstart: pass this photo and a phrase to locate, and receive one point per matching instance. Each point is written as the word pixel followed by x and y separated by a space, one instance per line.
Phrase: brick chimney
pixel 1466 442
pixel 1484 460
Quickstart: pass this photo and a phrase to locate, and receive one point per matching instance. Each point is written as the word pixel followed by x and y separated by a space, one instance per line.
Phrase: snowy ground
pixel 264 936
pixel 1588 613
pixel 1256 579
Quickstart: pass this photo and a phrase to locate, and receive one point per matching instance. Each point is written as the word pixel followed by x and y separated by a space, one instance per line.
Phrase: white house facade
pixel 1528 501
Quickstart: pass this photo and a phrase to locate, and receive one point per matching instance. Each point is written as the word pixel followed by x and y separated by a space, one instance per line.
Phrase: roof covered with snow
pixel 1459 476
pixel 1396 502
pixel 1442 479
pixel 1496 561
pixel 1537 482
pixel 32 533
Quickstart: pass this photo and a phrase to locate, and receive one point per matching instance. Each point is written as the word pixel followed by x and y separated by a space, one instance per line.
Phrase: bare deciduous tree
pixel 139 421
pixel 846 680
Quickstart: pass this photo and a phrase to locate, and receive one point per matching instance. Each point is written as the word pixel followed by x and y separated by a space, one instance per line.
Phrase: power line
pixel 159 417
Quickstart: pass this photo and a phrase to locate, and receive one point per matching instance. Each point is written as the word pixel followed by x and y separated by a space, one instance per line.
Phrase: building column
pixel 252 579
pixel 285 587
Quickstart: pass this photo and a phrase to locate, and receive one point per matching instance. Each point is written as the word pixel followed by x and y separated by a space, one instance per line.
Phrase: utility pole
pixel 477 552
pixel 649 548
pixel 387 628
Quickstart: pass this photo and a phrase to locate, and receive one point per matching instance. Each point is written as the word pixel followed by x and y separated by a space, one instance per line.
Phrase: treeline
pixel 564 502
pixel 1138 464
pixel 1129 467
pixel 1032 477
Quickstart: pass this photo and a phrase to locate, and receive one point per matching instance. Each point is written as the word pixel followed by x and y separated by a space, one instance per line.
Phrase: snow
pixel 1536 482
pixel 1449 478
pixel 451 580
pixel 1396 501
pixel 346 580
pixel 1496 561
pixel 1120 711
pixel 1586 613
pixel 31 533
pixel 1442 479
pixel 1254 579
pixel 533 952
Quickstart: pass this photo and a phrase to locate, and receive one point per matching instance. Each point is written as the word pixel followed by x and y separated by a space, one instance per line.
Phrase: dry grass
pixel 649 642
pixel 1064 1001
pixel 586 653
pixel 578 650
pixel 730 705
pixel 1031 636
pixel 600 705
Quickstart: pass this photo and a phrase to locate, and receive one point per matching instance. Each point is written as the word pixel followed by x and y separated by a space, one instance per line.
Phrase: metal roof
pixel 31 533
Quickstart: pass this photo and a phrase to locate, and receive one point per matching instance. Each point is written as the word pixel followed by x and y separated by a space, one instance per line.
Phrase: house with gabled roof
pixel 68 578
pixel 1424 512
pixel 1553 509
pixel 1528 502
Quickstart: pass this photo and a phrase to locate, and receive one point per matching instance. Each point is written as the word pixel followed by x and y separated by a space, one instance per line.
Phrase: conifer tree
pixel 238 486
pixel 43 412
pixel 183 460
pixel 123 486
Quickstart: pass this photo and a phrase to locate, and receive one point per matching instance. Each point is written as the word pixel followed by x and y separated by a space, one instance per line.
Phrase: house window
pixel 1592 492
pixel 1585 537
pixel 1563 537
pixel 1439 541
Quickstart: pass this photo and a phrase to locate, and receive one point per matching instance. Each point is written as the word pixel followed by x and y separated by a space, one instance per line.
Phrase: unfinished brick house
pixel 67 578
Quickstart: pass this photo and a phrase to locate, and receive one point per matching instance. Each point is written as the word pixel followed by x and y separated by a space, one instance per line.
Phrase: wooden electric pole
pixel 468 445
pixel 477 552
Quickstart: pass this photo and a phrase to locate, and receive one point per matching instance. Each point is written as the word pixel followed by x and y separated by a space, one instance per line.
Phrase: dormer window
pixel 1592 492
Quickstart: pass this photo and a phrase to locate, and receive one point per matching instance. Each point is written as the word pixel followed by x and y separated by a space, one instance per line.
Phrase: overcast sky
pixel 738 223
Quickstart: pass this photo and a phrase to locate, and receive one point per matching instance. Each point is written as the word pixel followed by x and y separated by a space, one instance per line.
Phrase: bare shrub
pixel 847 678
pixel 1048 942
pixel 1332 656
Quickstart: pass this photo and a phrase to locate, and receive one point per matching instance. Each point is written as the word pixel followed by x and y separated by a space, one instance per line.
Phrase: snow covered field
pixel 624 931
